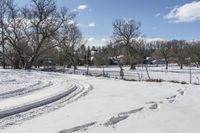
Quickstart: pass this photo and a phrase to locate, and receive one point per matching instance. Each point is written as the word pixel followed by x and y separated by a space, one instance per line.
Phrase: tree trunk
pixel 16 64
pixel 103 72
pixel 87 70
pixel 69 66
pixel 180 63
pixel 23 63
pixel 121 72
pixel 198 64
pixel 28 65
pixel 3 56
pixel 133 66
pixel 166 64
pixel 181 66
pixel 146 67
pixel 74 64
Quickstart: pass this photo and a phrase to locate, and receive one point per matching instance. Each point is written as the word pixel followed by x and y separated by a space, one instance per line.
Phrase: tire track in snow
pixel 16 118
pixel 26 90
pixel 29 106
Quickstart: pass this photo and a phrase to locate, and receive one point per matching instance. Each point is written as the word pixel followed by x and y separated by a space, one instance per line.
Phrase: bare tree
pixel 32 31
pixel 14 34
pixel 115 51
pixel 101 57
pixel 82 55
pixel 125 32
pixel 137 51
pixel 194 52
pixel 179 49
pixel 164 50
pixel 69 39
pixel 3 15
pixel 44 22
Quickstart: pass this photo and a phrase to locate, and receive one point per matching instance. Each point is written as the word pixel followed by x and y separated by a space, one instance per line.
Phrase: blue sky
pixel 166 19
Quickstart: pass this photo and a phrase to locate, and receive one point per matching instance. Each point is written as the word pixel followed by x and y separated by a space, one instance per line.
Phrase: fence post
pixel 190 73
pixel 147 72
pixel 87 70
pixel 103 72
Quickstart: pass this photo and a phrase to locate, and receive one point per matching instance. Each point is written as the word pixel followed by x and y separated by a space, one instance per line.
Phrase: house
pixel 149 60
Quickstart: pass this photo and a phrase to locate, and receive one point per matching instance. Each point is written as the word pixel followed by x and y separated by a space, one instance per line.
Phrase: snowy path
pixel 43 89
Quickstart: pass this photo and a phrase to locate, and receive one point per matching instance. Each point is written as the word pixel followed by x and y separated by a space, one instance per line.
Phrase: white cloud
pixel 97 42
pixel 188 12
pixel 91 39
pixel 82 7
pixel 158 14
pixel 154 39
pixel 91 24
pixel 105 40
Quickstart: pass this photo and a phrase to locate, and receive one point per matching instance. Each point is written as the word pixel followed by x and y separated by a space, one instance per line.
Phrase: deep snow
pixel 112 106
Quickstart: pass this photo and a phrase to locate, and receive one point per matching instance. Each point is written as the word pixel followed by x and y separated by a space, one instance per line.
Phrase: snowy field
pixel 174 73
pixel 47 102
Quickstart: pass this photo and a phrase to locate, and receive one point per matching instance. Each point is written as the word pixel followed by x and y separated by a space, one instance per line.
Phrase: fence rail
pixel 141 75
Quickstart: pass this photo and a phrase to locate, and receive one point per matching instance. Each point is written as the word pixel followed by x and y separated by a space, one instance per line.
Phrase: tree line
pixel 129 48
pixel 35 33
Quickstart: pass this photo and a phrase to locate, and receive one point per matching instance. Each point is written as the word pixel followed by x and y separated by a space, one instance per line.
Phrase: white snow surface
pixel 174 73
pixel 112 106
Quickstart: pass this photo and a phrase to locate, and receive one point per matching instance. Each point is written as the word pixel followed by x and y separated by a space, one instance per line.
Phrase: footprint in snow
pixel 181 92
pixel 78 128
pixel 171 99
pixel 154 106
pixel 121 116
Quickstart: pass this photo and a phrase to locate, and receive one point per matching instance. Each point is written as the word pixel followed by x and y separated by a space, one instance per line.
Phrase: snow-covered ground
pixel 95 105
pixel 174 73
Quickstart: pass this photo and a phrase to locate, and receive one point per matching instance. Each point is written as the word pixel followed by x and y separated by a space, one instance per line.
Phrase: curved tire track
pixel 16 110
pixel 25 90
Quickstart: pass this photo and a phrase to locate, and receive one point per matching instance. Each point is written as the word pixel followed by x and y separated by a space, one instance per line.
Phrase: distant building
pixel 49 64
pixel 149 60
pixel 113 61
